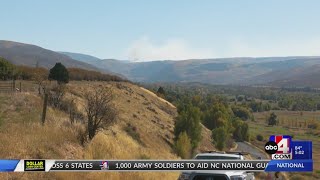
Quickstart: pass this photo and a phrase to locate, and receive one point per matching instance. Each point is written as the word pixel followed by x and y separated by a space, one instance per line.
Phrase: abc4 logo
pixel 278 145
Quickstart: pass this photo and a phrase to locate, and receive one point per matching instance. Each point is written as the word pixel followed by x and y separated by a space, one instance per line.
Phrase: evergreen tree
pixel 6 69
pixel 161 91
pixel 273 119
pixel 59 73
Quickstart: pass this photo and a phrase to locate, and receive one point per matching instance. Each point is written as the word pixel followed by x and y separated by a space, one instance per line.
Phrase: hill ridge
pixel 30 55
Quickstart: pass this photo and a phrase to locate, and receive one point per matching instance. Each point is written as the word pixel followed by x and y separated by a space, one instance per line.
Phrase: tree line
pixel 225 111
pixel 227 122
pixel 258 99
pixel 11 71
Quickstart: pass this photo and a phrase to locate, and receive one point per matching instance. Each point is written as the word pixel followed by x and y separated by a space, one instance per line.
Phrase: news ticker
pixel 34 165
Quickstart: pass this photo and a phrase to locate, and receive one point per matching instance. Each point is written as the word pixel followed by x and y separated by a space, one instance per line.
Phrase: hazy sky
pixel 165 29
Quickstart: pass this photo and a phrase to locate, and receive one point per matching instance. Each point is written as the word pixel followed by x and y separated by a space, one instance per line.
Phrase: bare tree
pixel 40 76
pixel 100 111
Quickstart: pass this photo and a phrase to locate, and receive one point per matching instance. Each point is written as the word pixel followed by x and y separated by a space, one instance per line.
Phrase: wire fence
pixel 10 86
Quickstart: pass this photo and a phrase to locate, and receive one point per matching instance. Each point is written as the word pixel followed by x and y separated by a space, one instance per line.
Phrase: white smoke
pixel 144 49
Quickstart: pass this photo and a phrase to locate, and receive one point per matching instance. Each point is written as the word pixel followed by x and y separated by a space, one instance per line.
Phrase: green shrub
pixel 7 69
pixel 241 112
pixel 144 156
pixel 241 130
pixel 220 137
pixel 272 120
pixel 189 121
pixel 259 137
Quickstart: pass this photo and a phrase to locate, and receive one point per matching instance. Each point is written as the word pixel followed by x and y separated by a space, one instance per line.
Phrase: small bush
pixel 259 137
pixel 132 131
pixel 152 109
pixel 55 96
pixel 313 126
pixel 144 156
pixel 230 143
pixel 292 136
pixel 82 136
pixel 183 145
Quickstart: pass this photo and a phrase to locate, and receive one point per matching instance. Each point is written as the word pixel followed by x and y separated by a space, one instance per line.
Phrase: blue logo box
pixel 301 149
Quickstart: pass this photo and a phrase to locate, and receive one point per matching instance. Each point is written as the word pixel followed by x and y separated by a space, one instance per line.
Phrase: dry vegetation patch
pixel 59 138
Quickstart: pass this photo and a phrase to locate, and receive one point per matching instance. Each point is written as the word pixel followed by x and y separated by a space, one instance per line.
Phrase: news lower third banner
pixel 32 165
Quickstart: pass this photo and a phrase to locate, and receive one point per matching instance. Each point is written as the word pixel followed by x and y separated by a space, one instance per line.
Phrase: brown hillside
pixel 30 55
pixel 144 131
pixel 148 118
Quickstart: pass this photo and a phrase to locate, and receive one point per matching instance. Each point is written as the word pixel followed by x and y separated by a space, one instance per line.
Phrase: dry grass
pixel 153 94
pixel 206 141
pixel 23 136
pixel 155 128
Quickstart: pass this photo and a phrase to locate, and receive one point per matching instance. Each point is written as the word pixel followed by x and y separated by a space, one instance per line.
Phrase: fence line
pixel 9 86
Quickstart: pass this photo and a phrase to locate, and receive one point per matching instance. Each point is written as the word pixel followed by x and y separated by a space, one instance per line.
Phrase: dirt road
pixel 254 152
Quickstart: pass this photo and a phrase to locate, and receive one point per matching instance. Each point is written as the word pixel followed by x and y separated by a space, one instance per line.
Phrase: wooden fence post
pixel 44 111
pixel 13 85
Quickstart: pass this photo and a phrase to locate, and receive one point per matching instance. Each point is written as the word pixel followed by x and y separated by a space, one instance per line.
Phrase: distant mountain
pixel 280 71
pixel 299 77
pixel 30 55
pixel 82 57
pixel 242 70
pixel 245 71
pixel 107 65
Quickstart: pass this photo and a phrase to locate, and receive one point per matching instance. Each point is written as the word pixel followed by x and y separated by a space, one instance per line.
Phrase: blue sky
pixel 165 29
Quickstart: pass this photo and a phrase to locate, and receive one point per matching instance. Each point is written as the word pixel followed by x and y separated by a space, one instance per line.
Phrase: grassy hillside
pixel 144 130
pixel 300 77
